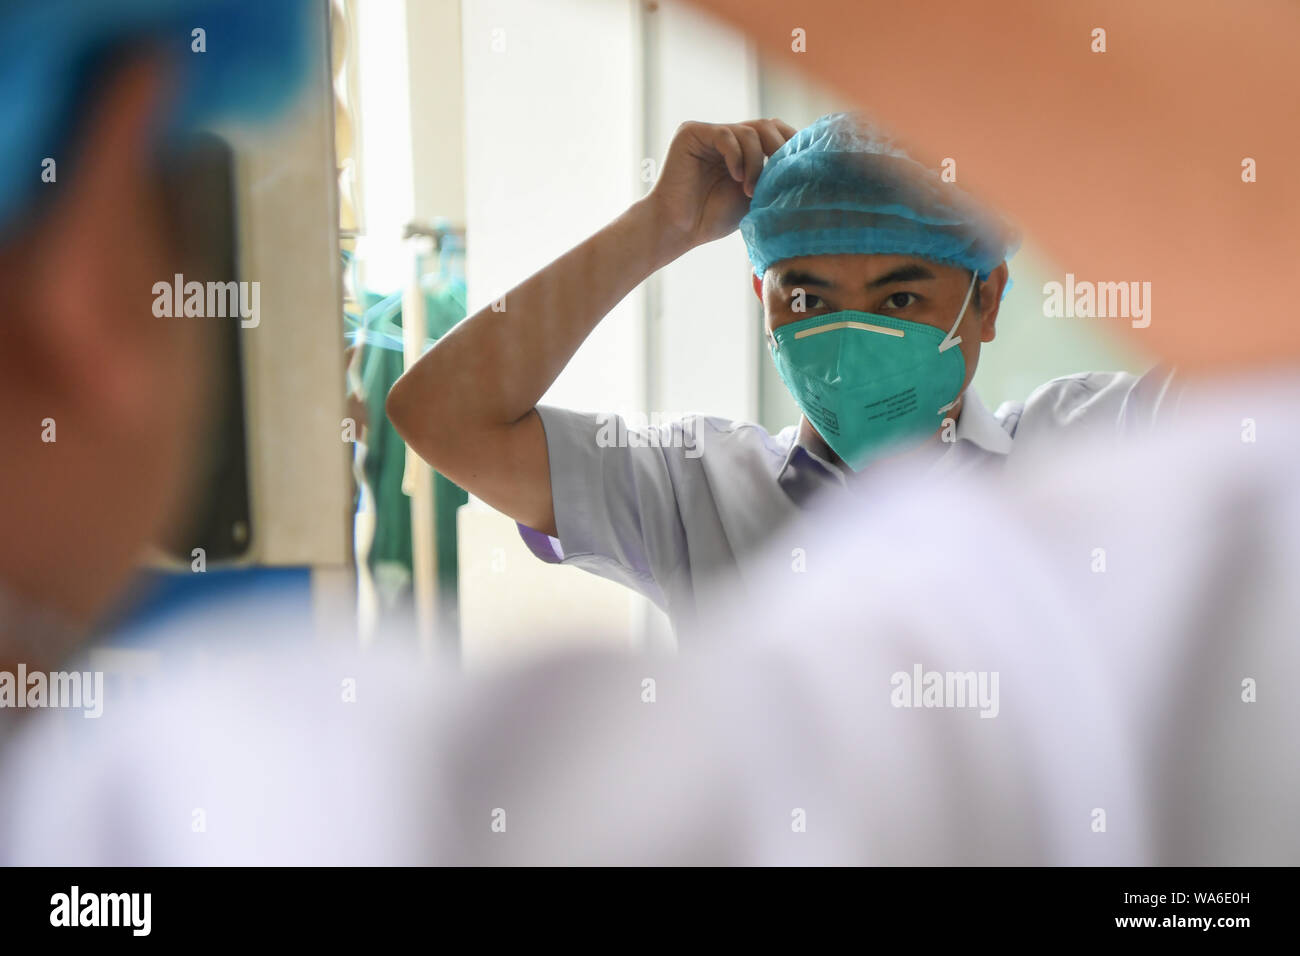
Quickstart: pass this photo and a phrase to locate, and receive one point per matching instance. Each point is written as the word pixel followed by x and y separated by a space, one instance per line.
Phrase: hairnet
pixel 53 52
pixel 842 185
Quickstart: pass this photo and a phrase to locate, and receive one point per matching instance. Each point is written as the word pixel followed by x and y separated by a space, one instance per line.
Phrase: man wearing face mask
pixel 879 283
pixel 878 286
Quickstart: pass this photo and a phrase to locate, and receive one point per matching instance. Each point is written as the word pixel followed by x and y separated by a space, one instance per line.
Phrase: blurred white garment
pixel 1124 595
pixel 247 741
pixel 1137 596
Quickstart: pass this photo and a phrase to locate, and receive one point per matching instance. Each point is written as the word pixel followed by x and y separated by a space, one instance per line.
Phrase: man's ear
pixel 991 290
pixel 98 250
pixel 758 286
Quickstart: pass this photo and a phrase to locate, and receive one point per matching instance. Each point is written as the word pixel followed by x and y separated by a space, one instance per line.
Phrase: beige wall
pixel 437 108
pixel 288 215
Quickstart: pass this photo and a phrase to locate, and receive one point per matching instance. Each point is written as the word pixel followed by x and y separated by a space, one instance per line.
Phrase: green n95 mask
pixel 871 385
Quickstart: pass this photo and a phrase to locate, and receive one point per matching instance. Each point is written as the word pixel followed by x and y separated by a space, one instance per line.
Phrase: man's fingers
pixel 769 134
pixel 743 147
pixel 729 148
pixel 783 127
pixel 753 148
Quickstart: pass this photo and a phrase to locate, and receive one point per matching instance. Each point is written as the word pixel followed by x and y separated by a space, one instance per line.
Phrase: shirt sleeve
pixel 615 493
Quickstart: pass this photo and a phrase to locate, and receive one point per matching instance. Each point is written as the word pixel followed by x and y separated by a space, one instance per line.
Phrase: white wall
pixel 437 104
pixel 704 331
pixel 553 141
pixel 552 146
pixel 385 159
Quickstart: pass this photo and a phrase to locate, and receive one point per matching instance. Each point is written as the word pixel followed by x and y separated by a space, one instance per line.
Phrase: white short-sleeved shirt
pixel 703 502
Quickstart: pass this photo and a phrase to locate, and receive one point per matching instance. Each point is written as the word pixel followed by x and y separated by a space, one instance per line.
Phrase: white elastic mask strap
pixel 951 339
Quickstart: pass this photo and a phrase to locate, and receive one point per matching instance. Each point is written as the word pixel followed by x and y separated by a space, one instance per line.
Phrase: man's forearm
pixel 493 368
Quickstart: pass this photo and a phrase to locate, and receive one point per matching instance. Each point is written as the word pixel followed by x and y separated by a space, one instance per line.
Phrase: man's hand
pixel 709 174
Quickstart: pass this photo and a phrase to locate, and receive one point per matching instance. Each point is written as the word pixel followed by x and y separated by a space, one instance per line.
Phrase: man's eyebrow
pixel 907 273
pixel 911 272
pixel 796 278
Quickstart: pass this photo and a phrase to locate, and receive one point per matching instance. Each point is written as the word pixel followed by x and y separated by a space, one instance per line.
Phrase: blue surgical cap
pixel 842 185
pixel 53 52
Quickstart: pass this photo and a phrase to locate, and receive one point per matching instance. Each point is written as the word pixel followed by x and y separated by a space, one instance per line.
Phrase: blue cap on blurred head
pixel 842 185
pixel 52 53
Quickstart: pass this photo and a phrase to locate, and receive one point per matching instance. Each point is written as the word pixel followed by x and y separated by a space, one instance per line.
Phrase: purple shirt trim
pixel 542 545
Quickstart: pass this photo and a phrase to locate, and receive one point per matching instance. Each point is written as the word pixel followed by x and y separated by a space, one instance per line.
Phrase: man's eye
pixel 806 303
pixel 901 300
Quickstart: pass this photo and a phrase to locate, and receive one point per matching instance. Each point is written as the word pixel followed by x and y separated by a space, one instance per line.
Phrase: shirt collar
pixel 978 426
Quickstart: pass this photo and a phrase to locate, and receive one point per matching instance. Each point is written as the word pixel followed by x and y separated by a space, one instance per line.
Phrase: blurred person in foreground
pixel 105 402
pixel 1107 719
